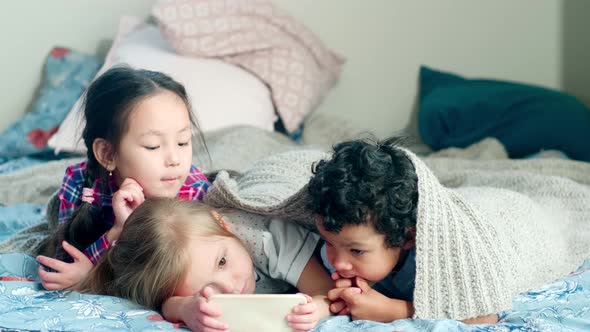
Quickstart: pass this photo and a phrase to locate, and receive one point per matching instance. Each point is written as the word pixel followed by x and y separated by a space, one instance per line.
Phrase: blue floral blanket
pixel 563 305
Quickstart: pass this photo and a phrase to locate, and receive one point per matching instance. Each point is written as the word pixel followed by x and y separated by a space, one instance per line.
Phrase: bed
pixel 37 148
pixel 559 305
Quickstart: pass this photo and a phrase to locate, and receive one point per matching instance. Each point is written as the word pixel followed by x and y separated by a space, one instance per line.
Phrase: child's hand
pixel 200 315
pixel 67 275
pixel 363 302
pixel 304 316
pixel 337 305
pixel 125 200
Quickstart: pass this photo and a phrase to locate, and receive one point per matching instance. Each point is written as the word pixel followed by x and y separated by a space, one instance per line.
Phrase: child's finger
pixel 303 326
pixel 73 251
pixel 345 311
pixel 334 293
pixel 335 276
pixel 137 197
pixel 207 292
pixel 121 196
pixel 337 307
pixel 52 263
pixel 349 294
pixel 212 323
pixel 342 283
pixel 50 277
pixel 210 309
pixel 303 309
pixel 362 284
pixel 52 286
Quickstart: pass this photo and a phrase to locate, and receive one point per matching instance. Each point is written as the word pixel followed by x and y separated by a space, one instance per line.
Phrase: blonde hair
pixel 150 258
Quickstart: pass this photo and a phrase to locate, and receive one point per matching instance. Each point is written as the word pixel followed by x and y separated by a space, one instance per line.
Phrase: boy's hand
pixel 304 316
pixel 125 200
pixel 66 275
pixel 200 315
pixel 337 305
pixel 364 302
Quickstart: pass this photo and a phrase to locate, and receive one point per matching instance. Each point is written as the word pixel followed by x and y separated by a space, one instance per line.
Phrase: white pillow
pixel 221 94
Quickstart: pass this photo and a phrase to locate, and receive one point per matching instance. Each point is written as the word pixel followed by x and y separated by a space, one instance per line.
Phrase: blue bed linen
pixel 67 73
pixel 563 305
pixel 19 216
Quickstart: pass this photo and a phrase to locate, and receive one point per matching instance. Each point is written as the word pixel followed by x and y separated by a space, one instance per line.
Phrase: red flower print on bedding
pixel 9 278
pixel 39 137
pixel 58 52
pixel 159 318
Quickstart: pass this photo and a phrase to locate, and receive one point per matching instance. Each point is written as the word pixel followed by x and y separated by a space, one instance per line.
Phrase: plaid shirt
pixel 194 188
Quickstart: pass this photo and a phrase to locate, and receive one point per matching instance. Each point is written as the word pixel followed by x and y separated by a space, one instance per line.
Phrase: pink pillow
pixel 259 37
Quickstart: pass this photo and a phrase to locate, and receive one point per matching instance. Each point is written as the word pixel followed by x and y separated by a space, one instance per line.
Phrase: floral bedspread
pixel 563 305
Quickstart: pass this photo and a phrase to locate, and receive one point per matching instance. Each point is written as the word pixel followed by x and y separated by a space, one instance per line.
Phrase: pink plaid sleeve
pixel 95 250
pixel 195 187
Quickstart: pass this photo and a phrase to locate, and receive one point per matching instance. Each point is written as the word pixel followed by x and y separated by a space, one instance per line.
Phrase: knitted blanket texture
pixel 505 227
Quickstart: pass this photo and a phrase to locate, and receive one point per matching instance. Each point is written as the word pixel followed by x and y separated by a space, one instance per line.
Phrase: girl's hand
pixel 125 200
pixel 304 316
pixel 66 275
pixel 200 315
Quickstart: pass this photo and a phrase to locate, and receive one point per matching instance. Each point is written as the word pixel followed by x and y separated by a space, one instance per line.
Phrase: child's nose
pixel 225 285
pixel 340 263
pixel 172 158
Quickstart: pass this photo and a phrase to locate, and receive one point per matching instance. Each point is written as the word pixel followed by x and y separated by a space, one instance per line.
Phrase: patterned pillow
pixel 257 36
pixel 67 73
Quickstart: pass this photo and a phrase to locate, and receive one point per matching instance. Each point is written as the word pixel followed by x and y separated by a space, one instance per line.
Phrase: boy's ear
pixel 411 238
pixel 104 153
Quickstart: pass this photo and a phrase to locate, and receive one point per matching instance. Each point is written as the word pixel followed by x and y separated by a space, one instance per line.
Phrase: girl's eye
pixel 357 251
pixel 183 144
pixel 222 262
pixel 151 147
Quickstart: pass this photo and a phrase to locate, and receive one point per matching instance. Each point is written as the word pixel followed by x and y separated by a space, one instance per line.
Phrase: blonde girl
pixel 173 255
pixel 138 138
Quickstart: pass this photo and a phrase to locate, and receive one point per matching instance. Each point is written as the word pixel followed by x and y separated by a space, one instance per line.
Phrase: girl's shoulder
pixel 195 186
pixel 77 168
pixel 72 183
pixel 75 173
pixel 195 178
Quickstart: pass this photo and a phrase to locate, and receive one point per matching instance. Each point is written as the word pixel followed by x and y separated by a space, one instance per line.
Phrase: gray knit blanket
pixel 486 231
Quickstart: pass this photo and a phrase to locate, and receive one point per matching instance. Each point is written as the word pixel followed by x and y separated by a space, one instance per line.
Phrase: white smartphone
pixel 257 312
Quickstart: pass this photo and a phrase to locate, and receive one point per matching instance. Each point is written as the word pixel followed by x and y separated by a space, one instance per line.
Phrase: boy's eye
pixel 357 251
pixel 151 147
pixel 222 262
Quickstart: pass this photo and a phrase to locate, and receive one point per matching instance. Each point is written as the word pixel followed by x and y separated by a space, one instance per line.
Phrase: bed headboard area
pixel 384 43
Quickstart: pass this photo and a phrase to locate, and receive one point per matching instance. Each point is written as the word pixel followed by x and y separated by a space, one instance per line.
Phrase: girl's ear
pixel 104 153
pixel 219 218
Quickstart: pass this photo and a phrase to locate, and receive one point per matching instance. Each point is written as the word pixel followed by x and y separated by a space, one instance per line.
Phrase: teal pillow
pixel 67 74
pixel 456 112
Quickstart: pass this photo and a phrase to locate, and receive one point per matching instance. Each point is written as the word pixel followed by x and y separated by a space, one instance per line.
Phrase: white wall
pixel 385 41
pixel 30 28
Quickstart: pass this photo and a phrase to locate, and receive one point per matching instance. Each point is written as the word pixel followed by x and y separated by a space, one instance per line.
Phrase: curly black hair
pixel 364 181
